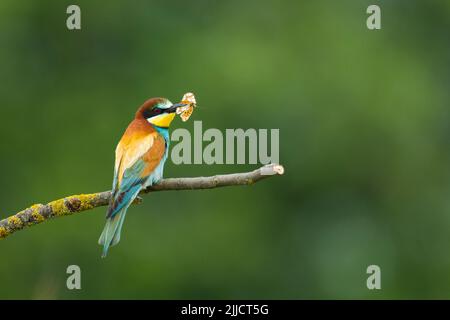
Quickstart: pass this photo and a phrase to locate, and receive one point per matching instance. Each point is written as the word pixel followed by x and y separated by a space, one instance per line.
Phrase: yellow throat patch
pixel 162 120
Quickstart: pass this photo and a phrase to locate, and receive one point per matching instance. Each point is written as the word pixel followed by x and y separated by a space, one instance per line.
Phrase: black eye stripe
pixel 152 112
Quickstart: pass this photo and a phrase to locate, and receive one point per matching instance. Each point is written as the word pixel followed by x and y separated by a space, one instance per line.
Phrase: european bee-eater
pixel 140 157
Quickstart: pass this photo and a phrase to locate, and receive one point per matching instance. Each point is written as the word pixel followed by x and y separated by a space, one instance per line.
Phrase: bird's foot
pixel 138 200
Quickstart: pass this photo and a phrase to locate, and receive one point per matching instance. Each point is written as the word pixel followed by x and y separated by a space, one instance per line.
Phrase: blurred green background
pixel 364 138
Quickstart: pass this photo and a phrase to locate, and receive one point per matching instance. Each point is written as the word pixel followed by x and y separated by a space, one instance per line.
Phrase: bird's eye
pixel 152 112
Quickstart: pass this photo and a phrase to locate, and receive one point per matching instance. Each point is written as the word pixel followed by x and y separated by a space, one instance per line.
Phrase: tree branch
pixel 39 213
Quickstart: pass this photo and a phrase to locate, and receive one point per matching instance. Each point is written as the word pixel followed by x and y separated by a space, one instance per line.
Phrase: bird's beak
pixel 175 106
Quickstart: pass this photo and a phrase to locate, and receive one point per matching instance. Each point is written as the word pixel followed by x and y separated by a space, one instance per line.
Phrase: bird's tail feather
pixel 116 215
pixel 111 233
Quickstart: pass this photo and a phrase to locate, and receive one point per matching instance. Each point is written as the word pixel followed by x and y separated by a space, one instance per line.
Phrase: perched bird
pixel 140 157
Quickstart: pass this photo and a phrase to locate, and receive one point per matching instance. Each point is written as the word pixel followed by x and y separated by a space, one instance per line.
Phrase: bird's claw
pixel 138 200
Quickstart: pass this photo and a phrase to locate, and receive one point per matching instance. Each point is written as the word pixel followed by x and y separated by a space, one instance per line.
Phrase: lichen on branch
pixel 39 213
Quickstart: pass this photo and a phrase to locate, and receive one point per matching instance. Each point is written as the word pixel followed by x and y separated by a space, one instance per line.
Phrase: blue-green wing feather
pixel 122 197
pixel 124 194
